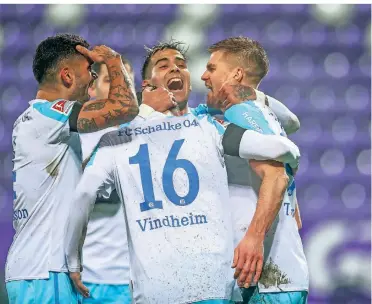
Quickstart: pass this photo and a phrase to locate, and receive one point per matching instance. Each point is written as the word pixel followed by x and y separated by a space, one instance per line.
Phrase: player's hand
pixel 80 287
pixel 231 92
pixel 248 259
pixel 160 99
pixel 101 53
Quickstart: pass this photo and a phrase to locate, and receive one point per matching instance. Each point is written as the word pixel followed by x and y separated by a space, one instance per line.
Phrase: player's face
pixel 169 70
pixel 217 71
pixel 101 86
pixel 84 78
pixel 102 83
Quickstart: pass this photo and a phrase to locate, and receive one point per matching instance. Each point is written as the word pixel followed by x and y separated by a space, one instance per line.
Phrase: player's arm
pixel 250 117
pixel 288 119
pixel 248 256
pixel 250 144
pixel 97 180
pixel 120 106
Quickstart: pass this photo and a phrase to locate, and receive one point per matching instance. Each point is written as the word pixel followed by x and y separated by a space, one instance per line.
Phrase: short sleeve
pixel 248 116
pixel 52 120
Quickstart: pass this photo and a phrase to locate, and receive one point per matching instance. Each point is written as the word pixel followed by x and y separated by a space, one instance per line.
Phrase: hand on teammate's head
pixel 101 53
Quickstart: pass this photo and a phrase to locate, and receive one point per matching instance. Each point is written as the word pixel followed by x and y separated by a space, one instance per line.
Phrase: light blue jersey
pixel 283 246
pixel 47 167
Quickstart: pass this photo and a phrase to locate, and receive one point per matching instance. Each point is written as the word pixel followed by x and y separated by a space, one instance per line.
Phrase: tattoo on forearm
pixel 114 74
pixel 120 106
pixel 108 116
pixel 94 106
pixel 86 125
pixel 120 92
pixel 110 55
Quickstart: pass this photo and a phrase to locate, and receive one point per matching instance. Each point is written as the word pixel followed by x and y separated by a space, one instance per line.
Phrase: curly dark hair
pixel 51 51
pixel 160 46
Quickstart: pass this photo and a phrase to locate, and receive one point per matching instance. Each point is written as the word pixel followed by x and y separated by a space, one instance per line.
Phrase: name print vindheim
pixel 164 126
pixel 171 221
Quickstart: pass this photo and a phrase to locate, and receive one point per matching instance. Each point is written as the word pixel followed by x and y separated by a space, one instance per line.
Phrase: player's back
pixel 47 167
pixel 173 181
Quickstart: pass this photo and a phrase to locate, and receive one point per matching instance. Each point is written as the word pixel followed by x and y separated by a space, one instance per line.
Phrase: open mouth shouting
pixel 175 84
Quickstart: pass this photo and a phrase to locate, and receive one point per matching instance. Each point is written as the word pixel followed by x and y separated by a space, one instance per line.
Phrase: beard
pixel 81 93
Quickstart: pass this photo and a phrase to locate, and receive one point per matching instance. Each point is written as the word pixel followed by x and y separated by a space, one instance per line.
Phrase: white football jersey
pixel 47 167
pixel 285 267
pixel 105 251
pixel 171 176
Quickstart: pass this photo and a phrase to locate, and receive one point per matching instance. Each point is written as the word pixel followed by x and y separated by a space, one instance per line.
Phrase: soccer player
pixel 170 174
pixel 235 66
pixel 161 61
pixel 47 161
pixel 107 275
pixel 160 78
pixel 105 251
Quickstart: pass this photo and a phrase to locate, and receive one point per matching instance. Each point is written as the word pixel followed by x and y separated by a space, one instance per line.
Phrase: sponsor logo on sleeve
pixel 63 107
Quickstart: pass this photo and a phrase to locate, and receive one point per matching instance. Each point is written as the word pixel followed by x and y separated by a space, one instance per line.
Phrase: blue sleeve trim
pixel 248 116
pixel 51 110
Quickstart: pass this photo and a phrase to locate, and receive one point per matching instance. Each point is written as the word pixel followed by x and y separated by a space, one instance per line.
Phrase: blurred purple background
pixel 320 68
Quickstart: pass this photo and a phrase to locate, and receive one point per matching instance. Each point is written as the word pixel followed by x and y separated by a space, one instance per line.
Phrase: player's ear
pixel 238 74
pixel 67 77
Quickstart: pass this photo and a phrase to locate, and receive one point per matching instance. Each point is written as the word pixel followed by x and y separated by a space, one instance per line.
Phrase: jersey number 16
pixel 172 163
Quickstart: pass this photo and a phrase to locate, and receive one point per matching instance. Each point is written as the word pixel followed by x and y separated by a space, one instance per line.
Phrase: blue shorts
pixel 58 289
pixel 108 294
pixel 252 296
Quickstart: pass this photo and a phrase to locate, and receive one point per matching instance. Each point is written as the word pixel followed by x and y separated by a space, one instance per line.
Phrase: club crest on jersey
pixel 62 107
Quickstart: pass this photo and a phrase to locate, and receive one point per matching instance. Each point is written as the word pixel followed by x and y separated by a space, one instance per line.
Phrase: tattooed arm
pixel 121 105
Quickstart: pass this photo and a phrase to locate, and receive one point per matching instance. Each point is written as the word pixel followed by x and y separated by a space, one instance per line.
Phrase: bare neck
pixel 51 93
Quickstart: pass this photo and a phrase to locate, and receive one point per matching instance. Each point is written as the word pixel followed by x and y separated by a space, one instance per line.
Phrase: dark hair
pixel 248 52
pixel 96 67
pixel 160 46
pixel 51 51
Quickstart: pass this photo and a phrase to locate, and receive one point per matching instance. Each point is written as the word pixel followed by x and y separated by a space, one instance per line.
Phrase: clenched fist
pixel 160 99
